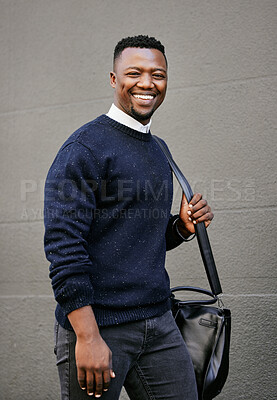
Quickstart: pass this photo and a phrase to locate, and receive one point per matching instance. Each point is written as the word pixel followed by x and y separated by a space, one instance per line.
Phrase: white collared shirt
pixel 125 119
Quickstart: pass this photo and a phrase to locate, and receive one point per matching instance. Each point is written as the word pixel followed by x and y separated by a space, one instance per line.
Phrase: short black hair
pixel 139 41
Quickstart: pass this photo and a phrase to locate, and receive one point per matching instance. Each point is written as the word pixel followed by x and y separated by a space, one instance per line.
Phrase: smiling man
pixel 108 225
pixel 140 81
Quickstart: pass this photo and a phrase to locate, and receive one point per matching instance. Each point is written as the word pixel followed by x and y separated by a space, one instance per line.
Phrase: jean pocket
pixel 62 344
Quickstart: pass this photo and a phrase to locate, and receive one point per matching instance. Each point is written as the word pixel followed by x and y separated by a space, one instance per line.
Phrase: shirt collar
pixel 125 119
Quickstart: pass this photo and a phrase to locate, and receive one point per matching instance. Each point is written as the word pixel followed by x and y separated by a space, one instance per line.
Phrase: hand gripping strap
pixel 200 229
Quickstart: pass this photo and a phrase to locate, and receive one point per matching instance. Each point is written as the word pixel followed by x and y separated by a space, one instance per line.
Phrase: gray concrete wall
pixel 219 120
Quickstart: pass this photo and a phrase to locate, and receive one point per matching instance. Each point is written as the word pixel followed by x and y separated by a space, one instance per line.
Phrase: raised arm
pixel 181 227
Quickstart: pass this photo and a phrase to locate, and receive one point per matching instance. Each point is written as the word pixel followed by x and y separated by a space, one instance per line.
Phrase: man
pixel 107 228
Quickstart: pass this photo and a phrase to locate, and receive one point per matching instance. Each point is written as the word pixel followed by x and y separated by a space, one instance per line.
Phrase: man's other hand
pixel 197 210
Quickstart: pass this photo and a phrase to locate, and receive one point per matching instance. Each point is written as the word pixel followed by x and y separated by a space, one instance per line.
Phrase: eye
pixel 159 76
pixel 132 74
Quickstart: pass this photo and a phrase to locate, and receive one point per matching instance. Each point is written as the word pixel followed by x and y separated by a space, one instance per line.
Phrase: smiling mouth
pixel 144 96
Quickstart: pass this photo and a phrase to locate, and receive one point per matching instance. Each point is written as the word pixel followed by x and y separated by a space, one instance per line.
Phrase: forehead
pixel 140 58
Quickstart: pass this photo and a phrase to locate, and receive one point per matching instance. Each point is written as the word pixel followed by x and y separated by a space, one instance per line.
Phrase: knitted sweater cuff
pixel 77 293
pixel 172 238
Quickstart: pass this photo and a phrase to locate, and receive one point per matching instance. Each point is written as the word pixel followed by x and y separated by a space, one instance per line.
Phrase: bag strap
pixel 200 229
pixel 213 299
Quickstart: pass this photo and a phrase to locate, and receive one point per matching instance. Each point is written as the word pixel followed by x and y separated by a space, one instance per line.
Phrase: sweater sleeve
pixel 172 238
pixel 70 201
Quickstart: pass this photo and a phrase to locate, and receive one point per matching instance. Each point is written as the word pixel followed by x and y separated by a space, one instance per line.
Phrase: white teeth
pixel 144 96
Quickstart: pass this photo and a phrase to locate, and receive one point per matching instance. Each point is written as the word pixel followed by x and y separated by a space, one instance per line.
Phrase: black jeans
pixel 150 360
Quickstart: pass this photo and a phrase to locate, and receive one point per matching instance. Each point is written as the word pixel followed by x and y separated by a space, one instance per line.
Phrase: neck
pixel 123 118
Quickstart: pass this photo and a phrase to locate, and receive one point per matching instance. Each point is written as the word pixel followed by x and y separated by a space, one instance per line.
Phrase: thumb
pixel 184 200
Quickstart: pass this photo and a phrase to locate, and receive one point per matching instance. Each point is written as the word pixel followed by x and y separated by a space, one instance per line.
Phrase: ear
pixel 112 79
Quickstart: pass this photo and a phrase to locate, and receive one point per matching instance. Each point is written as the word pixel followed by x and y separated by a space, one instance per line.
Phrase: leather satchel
pixel 206 329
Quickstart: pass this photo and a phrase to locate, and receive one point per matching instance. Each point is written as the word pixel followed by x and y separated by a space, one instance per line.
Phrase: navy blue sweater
pixel 108 197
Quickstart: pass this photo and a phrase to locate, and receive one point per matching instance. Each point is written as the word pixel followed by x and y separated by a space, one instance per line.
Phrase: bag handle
pixel 194 289
pixel 200 229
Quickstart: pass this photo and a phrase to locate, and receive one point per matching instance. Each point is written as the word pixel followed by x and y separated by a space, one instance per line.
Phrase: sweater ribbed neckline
pixel 125 129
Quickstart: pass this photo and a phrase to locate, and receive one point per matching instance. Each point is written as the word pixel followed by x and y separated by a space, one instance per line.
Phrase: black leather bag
pixel 206 329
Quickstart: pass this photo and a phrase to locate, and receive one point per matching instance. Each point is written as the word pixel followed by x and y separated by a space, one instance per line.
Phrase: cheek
pixel 162 90
pixel 161 86
pixel 164 87
pixel 125 95
pixel 121 91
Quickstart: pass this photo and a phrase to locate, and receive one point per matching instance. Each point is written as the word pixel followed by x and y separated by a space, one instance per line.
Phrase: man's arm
pixel 69 210
pixel 181 227
pixel 93 356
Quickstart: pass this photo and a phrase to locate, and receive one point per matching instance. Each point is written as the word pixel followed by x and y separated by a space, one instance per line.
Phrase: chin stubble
pixel 139 116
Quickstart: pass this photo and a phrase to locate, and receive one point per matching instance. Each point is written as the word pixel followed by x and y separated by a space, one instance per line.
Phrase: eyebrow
pixel 153 69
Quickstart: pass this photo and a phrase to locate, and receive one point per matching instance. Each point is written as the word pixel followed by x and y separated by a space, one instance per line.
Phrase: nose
pixel 145 81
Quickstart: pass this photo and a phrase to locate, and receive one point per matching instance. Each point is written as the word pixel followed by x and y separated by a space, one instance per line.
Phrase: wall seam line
pixel 173 89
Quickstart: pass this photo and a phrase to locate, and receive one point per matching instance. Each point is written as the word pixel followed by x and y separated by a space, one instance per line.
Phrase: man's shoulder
pixel 88 134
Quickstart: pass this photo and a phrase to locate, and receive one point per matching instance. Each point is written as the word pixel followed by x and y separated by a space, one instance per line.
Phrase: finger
pixel 81 375
pixel 98 384
pixel 111 372
pixel 198 214
pixel 184 201
pixel 90 383
pixel 200 204
pixel 207 218
pixel 106 380
pixel 195 199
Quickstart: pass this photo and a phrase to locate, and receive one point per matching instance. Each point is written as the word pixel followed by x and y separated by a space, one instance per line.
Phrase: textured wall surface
pixel 219 119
